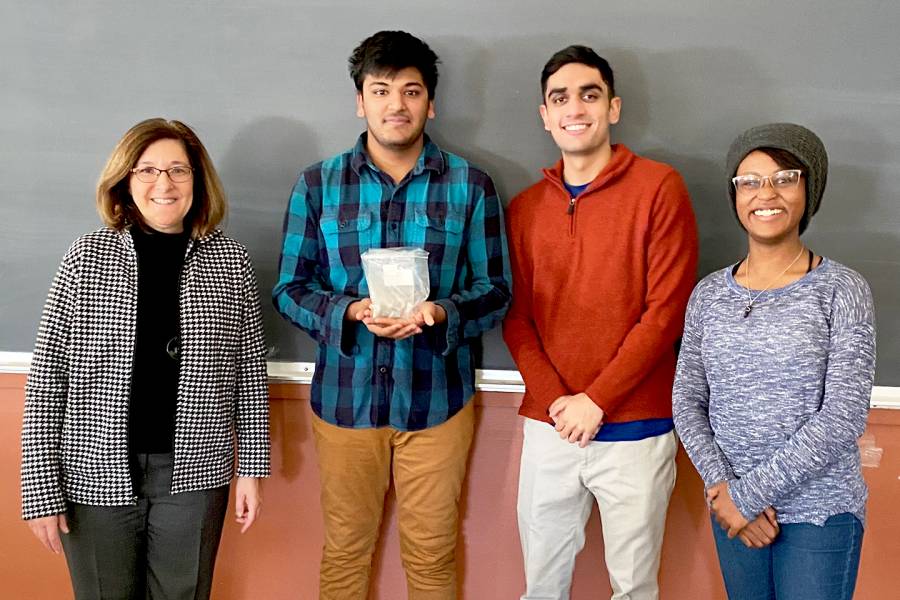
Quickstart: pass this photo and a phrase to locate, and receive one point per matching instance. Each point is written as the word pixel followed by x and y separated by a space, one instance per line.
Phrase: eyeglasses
pixel 747 184
pixel 178 174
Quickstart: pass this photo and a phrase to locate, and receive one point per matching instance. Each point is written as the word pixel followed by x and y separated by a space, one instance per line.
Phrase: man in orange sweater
pixel 604 256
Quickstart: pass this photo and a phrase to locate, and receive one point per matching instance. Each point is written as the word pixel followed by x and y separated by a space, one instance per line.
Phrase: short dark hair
pixel 582 55
pixel 387 52
pixel 784 160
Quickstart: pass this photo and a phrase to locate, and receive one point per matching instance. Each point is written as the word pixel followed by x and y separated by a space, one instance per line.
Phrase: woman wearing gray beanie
pixel 773 383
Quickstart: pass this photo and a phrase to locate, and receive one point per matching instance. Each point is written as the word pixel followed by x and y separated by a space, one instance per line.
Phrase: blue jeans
pixel 805 561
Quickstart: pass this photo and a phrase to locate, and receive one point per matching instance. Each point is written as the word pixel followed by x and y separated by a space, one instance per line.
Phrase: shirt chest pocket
pixel 346 237
pixel 441 232
pixel 439 227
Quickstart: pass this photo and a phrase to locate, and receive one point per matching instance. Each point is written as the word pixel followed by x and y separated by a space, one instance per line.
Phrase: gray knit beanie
pixel 796 139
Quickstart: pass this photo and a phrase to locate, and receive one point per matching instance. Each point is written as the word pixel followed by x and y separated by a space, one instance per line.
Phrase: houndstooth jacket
pixel 74 436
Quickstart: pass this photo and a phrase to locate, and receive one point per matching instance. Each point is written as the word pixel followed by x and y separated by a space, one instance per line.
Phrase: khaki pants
pixel 631 482
pixel 428 467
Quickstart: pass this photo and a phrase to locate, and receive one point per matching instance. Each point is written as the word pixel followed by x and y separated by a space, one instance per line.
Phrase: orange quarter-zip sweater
pixel 600 286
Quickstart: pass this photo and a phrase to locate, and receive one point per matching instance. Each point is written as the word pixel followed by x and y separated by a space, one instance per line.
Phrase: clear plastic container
pixel 397 279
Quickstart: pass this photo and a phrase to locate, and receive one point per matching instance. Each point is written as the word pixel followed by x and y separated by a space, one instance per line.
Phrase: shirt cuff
pixel 340 333
pixel 749 503
pixel 717 472
pixel 447 340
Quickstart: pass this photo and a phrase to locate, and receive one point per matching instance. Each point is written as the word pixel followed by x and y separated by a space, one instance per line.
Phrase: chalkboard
pixel 265 84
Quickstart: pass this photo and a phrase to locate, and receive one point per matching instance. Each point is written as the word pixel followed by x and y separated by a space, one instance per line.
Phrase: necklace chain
pixel 751 299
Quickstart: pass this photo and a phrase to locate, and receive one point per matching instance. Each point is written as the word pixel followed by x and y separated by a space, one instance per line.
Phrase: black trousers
pixel 164 548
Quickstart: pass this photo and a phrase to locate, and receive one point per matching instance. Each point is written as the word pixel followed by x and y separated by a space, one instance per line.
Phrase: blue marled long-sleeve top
pixel 774 403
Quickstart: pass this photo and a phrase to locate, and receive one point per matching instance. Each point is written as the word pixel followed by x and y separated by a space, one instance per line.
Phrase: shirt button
pixel 382 370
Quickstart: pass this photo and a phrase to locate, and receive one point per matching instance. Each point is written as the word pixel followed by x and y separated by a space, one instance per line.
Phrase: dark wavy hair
pixel 387 52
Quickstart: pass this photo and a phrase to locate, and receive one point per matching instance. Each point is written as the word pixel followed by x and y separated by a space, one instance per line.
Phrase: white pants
pixel 631 482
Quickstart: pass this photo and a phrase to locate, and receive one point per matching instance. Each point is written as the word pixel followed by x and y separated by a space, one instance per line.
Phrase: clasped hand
pixel 758 533
pixel 427 314
pixel 577 418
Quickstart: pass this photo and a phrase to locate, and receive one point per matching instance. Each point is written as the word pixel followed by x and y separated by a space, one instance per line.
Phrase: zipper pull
pixel 571 209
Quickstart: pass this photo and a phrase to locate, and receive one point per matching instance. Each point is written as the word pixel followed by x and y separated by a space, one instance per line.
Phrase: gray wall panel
pixel 265 84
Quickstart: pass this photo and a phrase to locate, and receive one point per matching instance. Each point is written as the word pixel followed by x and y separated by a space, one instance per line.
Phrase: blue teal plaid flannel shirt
pixel 343 206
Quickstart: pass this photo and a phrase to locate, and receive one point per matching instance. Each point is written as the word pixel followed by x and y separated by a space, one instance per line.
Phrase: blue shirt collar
pixel 431 157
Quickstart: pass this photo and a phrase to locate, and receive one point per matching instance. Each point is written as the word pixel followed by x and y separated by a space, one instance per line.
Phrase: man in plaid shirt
pixel 393 394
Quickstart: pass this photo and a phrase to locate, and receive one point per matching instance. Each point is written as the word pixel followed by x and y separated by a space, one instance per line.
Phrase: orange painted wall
pixel 278 558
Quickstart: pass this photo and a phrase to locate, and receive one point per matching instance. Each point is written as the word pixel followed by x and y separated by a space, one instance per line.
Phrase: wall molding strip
pixel 486 380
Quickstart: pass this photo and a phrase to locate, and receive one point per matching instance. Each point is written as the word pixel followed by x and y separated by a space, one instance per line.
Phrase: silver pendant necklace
pixel 751 299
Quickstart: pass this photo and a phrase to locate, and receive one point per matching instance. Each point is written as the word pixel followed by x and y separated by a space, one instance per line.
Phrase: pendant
pixel 747 310
pixel 173 348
